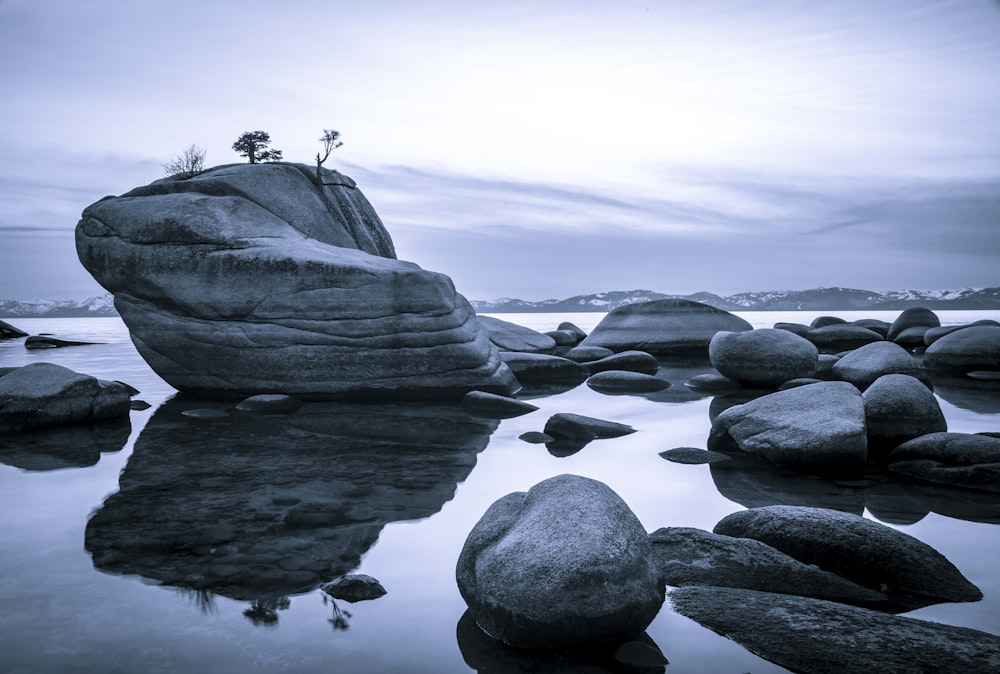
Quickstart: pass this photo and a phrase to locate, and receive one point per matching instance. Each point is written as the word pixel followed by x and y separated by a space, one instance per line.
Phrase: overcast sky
pixel 543 148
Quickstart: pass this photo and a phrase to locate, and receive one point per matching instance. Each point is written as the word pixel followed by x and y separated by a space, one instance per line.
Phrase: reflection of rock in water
pixel 982 396
pixel 264 506
pixel 59 447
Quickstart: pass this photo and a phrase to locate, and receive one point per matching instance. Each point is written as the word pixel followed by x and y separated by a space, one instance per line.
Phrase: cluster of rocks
pixel 567 565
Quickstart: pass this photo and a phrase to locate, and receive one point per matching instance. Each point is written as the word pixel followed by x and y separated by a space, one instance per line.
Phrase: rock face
pixel 813 636
pixel 253 278
pixel 564 564
pixel 816 428
pixel 668 327
pixel 909 571
pixel 41 395
pixel 764 358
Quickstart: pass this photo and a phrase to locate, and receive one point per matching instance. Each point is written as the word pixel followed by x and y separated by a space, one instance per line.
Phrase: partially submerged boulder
pixel 866 364
pixel 954 459
pixel 41 395
pixel 764 357
pixel 670 327
pixel 898 408
pixel 563 564
pixel 513 337
pixel 255 278
pixel 967 350
pixel 913 317
pixel 841 337
pixel 910 572
pixel 8 331
pixel 816 428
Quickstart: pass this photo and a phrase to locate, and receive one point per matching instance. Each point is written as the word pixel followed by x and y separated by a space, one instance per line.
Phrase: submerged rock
pixel 37 342
pixel 579 427
pixel 354 587
pixel 816 428
pixel 254 278
pixel 908 571
pixel 814 636
pixel 633 361
pixel 41 395
pixel 8 331
pixel 623 381
pixel 955 459
pixel 496 405
pixel 563 564
pixel 669 327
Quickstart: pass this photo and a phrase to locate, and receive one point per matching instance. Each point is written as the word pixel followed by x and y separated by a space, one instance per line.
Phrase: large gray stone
pixel 817 428
pixel 841 337
pixel 41 395
pixel 764 358
pixel 956 459
pixel 898 408
pixel 908 571
pixel 866 364
pixel 912 318
pixel 254 278
pixel 664 328
pixel 8 331
pixel 563 564
pixel 967 350
pixel 694 557
pixel 813 636
pixel 513 337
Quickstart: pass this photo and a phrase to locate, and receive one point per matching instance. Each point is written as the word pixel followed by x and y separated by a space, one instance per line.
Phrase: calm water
pixel 400 488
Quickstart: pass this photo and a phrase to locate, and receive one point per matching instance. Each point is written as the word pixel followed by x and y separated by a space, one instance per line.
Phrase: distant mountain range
pixel 817 299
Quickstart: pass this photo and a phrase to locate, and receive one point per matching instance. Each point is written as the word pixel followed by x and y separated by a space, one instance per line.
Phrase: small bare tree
pixel 187 164
pixel 331 141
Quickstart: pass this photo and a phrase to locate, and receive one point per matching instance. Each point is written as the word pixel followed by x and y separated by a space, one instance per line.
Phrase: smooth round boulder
pixel 912 338
pixel 563 337
pixel 898 408
pixel 762 358
pixel 824 321
pixel 42 395
pixel 873 324
pixel 974 348
pixel 540 367
pixel 669 327
pixel 818 428
pixel 509 336
pixel 625 381
pixel 8 331
pixel 580 427
pixel 587 354
pixel 634 361
pixel 841 337
pixel 574 328
pixel 874 555
pixel 269 403
pixel 912 317
pixel 266 278
pixel 934 334
pixel 864 365
pixel 795 328
pixel 564 564
pixel 964 460
pixel 495 405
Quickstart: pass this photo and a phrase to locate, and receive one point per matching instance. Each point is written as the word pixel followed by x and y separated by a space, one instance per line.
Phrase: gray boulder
pixel 955 459
pixel 669 327
pixel 635 361
pixel 695 557
pixel 763 358
pixel 574 328
pixel 795 328
pixel 564 564
pixel 693 456
pixel 354 587
pixel 8 331
pixel 509 336
pixel 269 403
pixel 41 395
pixel 841 337
pixel 625 381
pixel 587 354
pixel 496 405
pixel 908 571
pixel 864 365
pixel 912 339
pixel 256 278
pixel 579 427
pixel 824 321
pixel 910 318
pixel 814 636
pixel 38 342
pixel 873 324
pixel 816 428
pixel 898 408
pixel 968 350
pixel 563 337
pixel 540 367
pixel 934 334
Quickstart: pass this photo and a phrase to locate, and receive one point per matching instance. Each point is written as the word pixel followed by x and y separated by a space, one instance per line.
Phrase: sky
pixel 537 149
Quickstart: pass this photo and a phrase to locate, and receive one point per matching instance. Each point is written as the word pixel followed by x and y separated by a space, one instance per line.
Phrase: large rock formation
pixel 256 279
pixel 42 395
pixel 668 327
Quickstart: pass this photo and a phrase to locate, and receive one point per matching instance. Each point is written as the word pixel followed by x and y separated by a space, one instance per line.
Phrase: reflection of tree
pixel 203 599
pixel 264 611
pixel 339 618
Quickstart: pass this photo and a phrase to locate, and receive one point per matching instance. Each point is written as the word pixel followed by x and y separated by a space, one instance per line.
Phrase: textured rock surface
pixel 813 636
pixel 910 572
pixel 866 364
pixel 957 459
pixel 816 428
pixel 664 328
pixel 513 337
pixel 694 557
pixel 763 357
pixel 252 278
pixel 899 408
pixel 41 395
pixel 563 564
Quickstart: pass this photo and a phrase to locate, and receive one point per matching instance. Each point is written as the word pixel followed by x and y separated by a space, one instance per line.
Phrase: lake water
pixel 400 487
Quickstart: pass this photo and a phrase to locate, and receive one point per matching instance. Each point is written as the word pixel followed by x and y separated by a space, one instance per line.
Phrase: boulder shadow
pixel 58 447
pixel 260 507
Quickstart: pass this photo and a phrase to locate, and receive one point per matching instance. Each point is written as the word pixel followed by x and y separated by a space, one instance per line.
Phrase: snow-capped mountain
pixel 102 305
pixel 817 299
